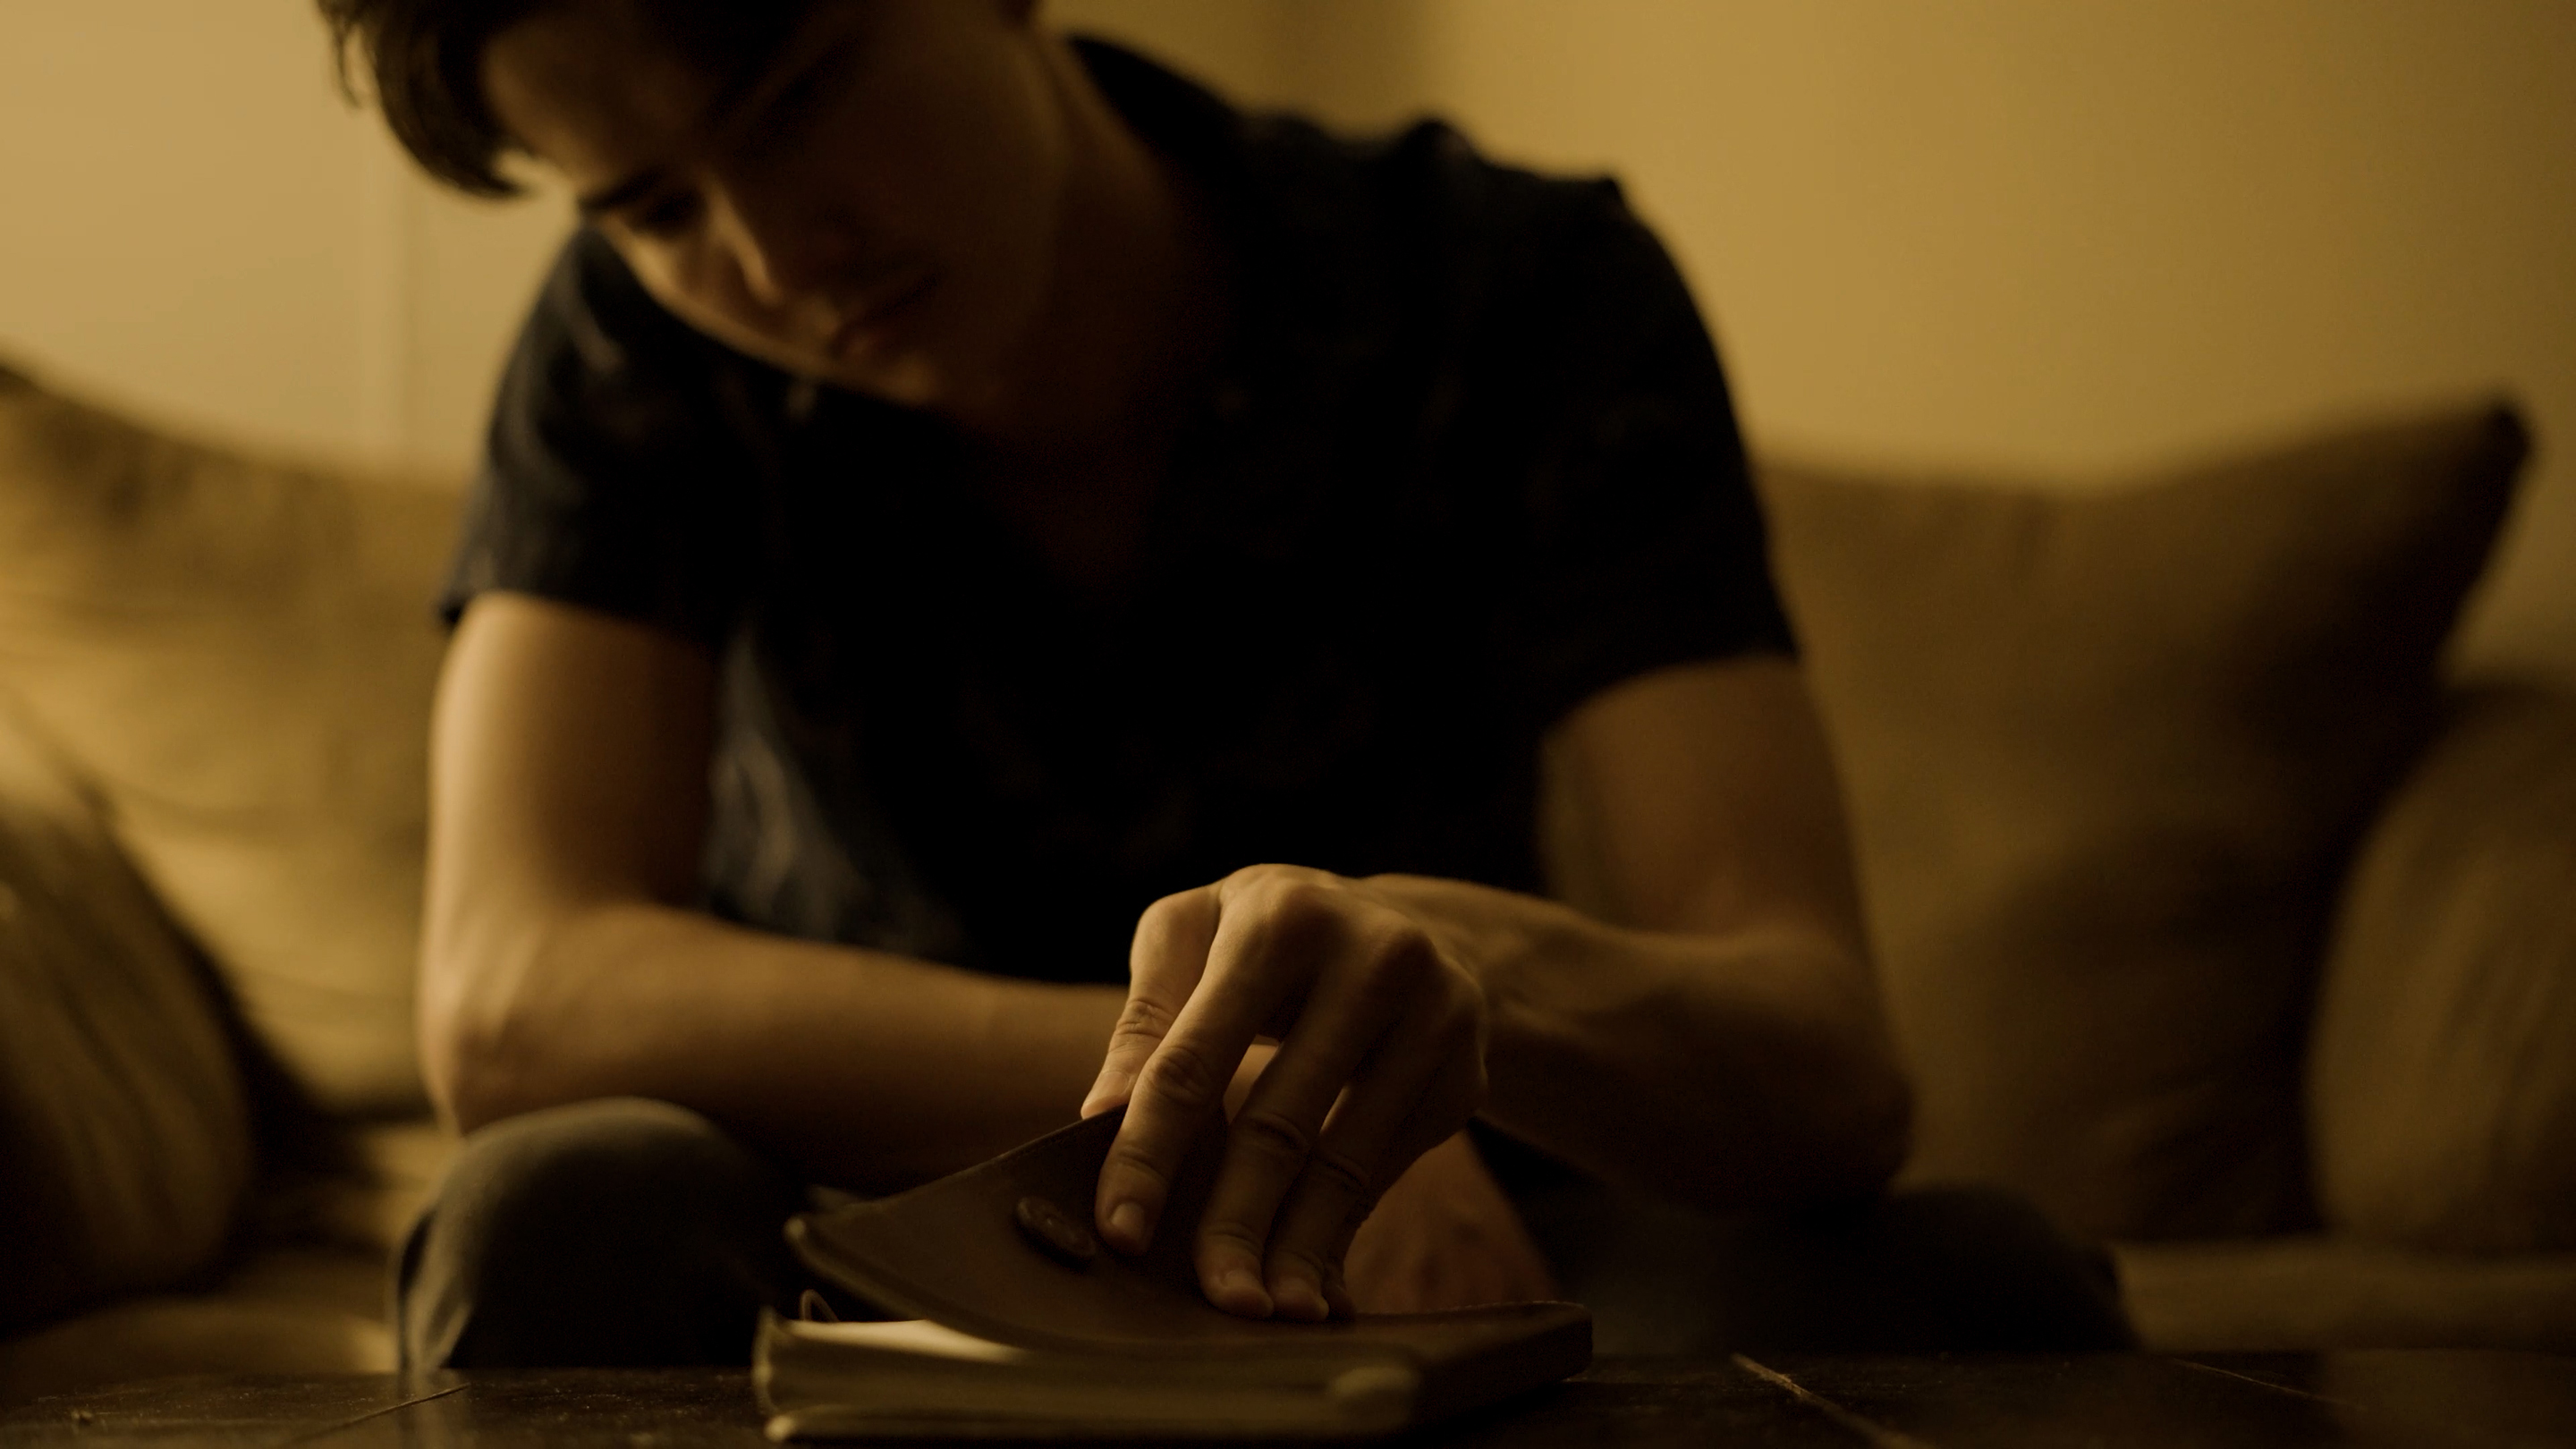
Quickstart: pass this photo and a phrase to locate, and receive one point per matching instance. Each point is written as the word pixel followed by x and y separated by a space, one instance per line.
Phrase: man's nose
pixel 785 246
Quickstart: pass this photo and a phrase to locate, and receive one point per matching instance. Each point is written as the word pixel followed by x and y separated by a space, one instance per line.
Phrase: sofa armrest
pixel 126 1139
pixel 2442 1060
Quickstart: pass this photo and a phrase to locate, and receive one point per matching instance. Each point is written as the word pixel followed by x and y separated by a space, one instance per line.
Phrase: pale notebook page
pixel 914 1335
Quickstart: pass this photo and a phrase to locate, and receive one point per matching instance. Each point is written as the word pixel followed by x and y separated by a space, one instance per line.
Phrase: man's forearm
pixel 1728 1071
pixel 1714 1069
pixel 863 1069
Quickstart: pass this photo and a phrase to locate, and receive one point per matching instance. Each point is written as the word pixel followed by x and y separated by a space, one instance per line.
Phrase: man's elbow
pixel 464 1085
pixel 476 1052
pixel 1872 1129
pixel 1863 1100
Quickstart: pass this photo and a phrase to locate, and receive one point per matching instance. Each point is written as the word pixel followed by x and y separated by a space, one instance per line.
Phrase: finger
pixel 1527 1276
pixel 1181 1084
pixel 1273 1141
pixel 1370 984
pixel 1337 1284
pixel 1164 965
pixel 1337 1294
pixel 1425 1080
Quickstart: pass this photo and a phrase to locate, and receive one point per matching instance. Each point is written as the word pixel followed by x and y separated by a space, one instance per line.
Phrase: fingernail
pixel 1241 1292
pixel 1298 1299
pixel 1127 1225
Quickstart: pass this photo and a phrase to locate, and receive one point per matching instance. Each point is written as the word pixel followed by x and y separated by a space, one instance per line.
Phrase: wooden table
pixel 2437 1398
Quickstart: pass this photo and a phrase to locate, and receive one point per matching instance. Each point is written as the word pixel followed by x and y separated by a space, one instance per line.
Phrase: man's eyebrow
pixel 740 90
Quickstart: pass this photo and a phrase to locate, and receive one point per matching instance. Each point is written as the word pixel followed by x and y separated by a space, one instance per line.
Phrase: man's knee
pixel 616 1231
pixel 1919 1271
pixel 1943 1268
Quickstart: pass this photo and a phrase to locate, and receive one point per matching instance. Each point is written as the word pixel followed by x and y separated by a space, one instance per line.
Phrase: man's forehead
pixel 599 88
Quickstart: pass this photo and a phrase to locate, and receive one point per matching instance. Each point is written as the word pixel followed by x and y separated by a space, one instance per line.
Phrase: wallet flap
pixel 1005 1251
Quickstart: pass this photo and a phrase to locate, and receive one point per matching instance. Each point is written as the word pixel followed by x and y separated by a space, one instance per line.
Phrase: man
pixel 1098 538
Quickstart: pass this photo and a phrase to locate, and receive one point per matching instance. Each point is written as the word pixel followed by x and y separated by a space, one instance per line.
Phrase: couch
pixel 2213 913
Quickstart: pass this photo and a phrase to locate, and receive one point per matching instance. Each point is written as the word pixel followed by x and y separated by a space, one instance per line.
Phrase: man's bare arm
pixel 1718 979
pixel 569 801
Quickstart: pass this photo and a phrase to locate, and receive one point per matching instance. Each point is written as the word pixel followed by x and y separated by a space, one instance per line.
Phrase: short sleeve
pixel 620 473
pixel 1645 544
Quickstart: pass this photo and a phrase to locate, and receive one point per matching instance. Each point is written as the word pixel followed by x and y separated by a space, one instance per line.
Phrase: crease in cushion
pixel 2442 1071
pixel 126 1140
pixel 239 656
pixel 2106 753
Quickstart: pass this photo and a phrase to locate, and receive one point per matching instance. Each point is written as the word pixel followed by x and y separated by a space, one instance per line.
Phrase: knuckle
pixel 1300 912
pixel 1273 1135
pixel 1154 929
pixel 1169 935
pixel 1183 1074
pixel 1395 968
pixel 1404 953
pixel 1261 881
pixel 1176 909
pixel 1340 1174
pixel 1462 1026
pixel 1142 1017
pixel 1462 1086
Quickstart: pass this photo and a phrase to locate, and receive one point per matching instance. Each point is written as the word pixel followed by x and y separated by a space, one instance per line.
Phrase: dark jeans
pixel 636 1232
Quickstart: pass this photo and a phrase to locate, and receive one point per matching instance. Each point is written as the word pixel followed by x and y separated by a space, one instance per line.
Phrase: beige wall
pixel 2056 233
pixel 2085 234
pixel 196 224
pixel 182 221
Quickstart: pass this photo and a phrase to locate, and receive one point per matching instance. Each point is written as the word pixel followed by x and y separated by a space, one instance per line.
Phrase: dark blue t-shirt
pixel 1467 459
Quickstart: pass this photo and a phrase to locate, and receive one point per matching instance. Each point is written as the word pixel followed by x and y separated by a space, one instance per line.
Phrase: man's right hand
pixel 1381 1035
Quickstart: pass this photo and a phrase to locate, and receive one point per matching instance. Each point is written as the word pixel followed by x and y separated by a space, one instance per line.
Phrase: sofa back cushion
pixel 2106 754
pixel 2442 1071
pixel 238 656
pixel 125 1133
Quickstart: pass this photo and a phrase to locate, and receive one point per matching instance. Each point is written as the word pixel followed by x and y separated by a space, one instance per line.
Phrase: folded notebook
pixel 1016 1322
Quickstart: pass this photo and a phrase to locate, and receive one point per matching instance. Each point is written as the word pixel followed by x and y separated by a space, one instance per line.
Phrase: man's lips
pixel 862 325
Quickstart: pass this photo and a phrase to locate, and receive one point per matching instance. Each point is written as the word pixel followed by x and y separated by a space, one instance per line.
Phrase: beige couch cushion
pixel 2324 1291
pixel 2106 754
pixel 125 1132
pixel 316 1306
pixel 239 655
pixel 2442 1075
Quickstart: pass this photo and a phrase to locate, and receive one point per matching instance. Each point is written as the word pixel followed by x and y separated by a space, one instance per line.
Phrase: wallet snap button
pixel 1057 1233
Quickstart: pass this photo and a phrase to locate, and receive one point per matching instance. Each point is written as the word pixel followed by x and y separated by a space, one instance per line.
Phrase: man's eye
pixel 796 105
pixel 666 217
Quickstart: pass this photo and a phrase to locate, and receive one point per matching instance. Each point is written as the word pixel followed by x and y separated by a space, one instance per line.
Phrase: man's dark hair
pixel 426 60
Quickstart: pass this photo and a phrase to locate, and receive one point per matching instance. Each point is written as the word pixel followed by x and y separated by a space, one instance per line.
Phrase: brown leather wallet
pixel 1004 1252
